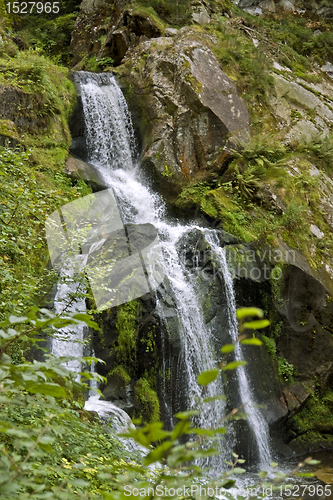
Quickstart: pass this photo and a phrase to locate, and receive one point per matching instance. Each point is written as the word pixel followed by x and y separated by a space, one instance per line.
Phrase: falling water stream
pixel 112 150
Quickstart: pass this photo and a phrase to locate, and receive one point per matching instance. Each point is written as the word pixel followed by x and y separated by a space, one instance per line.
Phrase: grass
pixel 52 93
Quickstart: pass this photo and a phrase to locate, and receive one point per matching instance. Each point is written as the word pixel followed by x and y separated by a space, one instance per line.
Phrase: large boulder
pixel 187 108
pixel 78 169
pixel 301 109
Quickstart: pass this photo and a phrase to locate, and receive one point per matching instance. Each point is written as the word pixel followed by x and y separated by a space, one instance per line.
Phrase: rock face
pixel 302 109
pixel 105 29
pixel 21 108
pixel 258 7
pixel 188 109
pixel 78 169
pixel 93 23
pixel 300 299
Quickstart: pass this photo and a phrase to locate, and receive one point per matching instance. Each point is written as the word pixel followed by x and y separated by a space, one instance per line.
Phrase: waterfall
pixel 137 204
pixel 111 149
pixel 255 419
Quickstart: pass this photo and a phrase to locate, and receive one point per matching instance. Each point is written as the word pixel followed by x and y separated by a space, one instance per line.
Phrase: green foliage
pixel 96 65
pixel 127 327
pixel 27 197
pixel 37 75
pixel 244 180
pixel 208 376
pixel 148 399
pixel 286 369
pixel 51 36
pixel 243 62
pixel 170 12
pixel 270 345
pixel 48 33
pixel 294 216
pixel 47 445
pixel 320 149
pixel 121 373
pixel 319 47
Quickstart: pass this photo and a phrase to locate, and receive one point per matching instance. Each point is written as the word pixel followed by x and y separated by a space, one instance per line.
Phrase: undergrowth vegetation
pixel 28 194
pixel 49 33
pixel 241 197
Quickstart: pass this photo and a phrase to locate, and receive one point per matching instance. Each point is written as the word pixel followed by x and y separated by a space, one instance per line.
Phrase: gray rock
pixel 316 231
pixel 91 6
pixel 328 69
pixel 315 117
pixel 325 12
pixel 78 169
pixel 117 43
pixel 247 3
pixel 171 32
pixel 268 5
pixel 191 107
pixel 200 15
pixel 287 5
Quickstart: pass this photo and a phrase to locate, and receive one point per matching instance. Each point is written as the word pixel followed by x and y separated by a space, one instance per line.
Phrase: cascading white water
pixel 66 300
pixel 138 204
pixel 110 141
pixel 255 418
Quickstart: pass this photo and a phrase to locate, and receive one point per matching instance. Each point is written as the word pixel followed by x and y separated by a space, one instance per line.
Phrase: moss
pixel 316 416
pixel 166 11
pixel 150 14
pixel 270 345
pixel 127 328
pixel 286 370
pixel 148 400
pixel 167 171
pixel 121 373
pixel 8 129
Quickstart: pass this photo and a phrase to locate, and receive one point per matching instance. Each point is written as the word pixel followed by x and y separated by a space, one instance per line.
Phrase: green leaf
pixel 313 462
pixel 233 365
pixel 257 325
pixel 227 348
pixel 229 484
pixel 244 312
pixel 184 415
pixel 79 482
pixel 208 376
pixel 262 474
pixel 47 389
pixel 253 341
pixel 45 447
pixel 15 319
pixel 239 470
pixel 158 453
pixel 210 399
